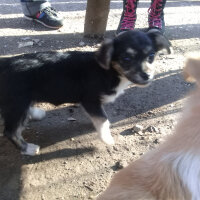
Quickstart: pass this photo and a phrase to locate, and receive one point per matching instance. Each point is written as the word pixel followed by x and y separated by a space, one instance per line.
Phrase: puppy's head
pixel 191 71
pixel 132 54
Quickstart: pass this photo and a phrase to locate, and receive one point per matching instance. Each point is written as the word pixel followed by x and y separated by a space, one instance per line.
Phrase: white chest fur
pixel 124 82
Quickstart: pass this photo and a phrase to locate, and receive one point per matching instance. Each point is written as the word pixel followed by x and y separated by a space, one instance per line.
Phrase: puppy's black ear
pixel 104 54
pixel 159 40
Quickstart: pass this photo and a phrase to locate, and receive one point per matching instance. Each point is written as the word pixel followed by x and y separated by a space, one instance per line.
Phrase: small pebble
pixel 25 38
pixel 156 141
pixel 36 40
pixel 71 119
pixel 152 129
pixel 137 128
pixel 25 44
pixel 119 165
pixel 115 148
pixel 82 44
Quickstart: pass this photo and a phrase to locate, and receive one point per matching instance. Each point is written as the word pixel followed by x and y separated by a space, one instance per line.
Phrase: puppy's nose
pixel 145 76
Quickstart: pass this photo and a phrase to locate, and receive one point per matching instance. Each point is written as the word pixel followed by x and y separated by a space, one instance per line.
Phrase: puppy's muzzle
pixel 141 77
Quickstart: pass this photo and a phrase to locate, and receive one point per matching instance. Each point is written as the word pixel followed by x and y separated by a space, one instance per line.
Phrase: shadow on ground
pixel 62 41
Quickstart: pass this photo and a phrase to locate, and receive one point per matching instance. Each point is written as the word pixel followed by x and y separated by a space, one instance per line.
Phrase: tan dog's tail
pixel 191 71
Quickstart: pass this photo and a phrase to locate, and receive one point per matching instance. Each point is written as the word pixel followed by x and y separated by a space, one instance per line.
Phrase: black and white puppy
pixel 88 78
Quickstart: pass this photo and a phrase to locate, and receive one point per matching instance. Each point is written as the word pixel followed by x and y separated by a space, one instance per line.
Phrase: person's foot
pixel 156 15
pixel 48 17
pixel 128 18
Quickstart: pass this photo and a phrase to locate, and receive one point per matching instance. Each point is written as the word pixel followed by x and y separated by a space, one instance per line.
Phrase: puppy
pixel 88 78
pixel 172 171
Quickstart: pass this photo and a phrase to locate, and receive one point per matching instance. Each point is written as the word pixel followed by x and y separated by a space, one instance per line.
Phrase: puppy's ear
pixel 191 71
pixel 104 54
pixel 159 40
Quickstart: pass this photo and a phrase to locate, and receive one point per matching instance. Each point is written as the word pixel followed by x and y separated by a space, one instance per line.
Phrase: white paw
pixel 31 150
pixel 36 113
pixel 108 139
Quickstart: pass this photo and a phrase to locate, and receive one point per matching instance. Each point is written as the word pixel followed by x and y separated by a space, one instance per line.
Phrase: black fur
pixel 75 77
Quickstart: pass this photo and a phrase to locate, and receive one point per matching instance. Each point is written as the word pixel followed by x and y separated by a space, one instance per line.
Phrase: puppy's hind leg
pixel 16 137
pixel 14 125
pixel 35 113
pixel 100 121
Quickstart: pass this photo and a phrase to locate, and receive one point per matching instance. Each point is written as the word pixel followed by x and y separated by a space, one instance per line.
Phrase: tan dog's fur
pixel 171 171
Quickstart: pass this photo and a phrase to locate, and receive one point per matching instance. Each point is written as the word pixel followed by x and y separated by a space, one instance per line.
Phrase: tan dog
pixel 172 171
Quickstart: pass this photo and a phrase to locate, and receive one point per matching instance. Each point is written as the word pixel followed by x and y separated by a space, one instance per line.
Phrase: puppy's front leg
pixel 100 121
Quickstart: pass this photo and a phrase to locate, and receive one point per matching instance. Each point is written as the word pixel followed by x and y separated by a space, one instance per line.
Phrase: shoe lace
pixel 155 11
pixel 49 10
pixel 129 15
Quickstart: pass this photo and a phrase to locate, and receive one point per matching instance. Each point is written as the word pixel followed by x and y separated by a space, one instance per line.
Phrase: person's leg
pixel 42 12
pixel 30 8
pixel 128 17
pixel 156 15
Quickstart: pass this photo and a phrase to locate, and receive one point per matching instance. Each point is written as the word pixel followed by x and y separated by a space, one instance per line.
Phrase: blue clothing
pixel 31 7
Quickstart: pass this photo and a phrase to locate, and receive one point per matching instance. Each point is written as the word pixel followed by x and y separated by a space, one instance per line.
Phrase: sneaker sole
pixel 32 19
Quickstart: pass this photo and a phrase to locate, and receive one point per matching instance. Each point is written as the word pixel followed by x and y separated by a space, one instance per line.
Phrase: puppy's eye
pixel 127 59
pixel 150 58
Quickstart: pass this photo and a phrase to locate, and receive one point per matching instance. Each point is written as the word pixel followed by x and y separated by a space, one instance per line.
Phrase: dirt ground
pixel 73 164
